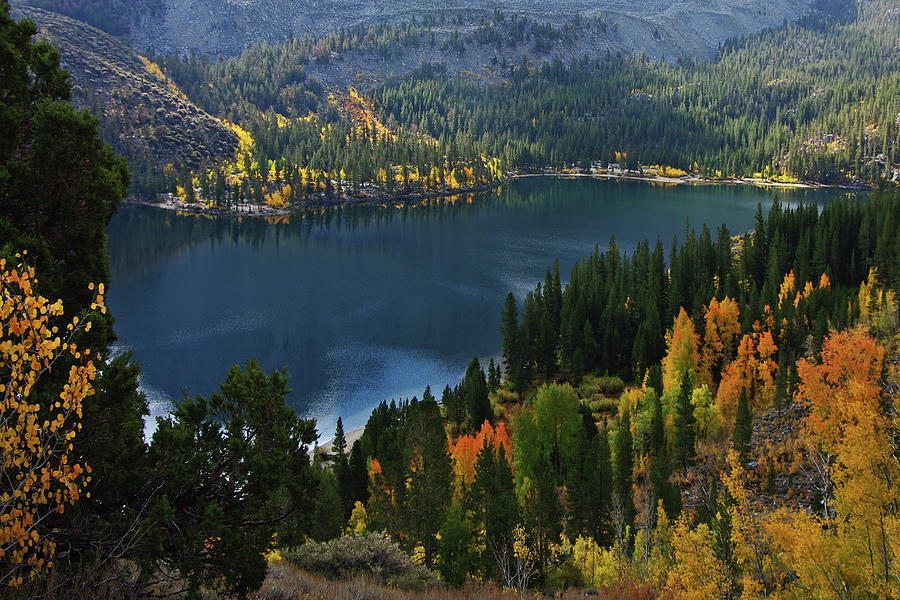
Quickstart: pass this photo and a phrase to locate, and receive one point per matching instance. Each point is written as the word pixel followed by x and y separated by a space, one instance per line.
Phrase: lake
pixel 362 304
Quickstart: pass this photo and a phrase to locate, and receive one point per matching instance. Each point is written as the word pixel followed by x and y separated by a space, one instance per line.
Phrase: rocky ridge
pixel 141 115
pixel 225 27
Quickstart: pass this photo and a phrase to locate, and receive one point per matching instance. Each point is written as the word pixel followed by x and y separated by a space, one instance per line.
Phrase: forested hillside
pixel 721 429
pixel 816 101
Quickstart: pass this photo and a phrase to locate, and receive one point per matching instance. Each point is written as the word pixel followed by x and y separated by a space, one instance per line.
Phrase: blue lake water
pixel 363 304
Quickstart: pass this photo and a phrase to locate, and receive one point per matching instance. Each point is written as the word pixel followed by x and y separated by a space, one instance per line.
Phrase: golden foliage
pixel 681 353
pixel 754 370
pixel 720 334
pixel 358 519
pixel 280 198
pixel 38 479
pixel 696 573
pixel 877 306
pixel 749 537
pixel 653 548
pixel 598 566
pixel 245 144
pixel 851 550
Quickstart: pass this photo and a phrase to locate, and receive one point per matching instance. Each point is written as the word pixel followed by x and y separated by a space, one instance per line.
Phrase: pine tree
pixel 455 407
pixel 428 476
pixel 339 445
pixel 542 515
pixel 782 393
pixel 685 423
pixel 588 487
pixel 342 473
pixel 455 558
pixel 427 396
pixel 623 476
pixel 356 487
pixel 655 379
pixel 328 509
pixel 511 343
pixel 493 376
pixel 493 502
pixel 603 486
pixel 474 392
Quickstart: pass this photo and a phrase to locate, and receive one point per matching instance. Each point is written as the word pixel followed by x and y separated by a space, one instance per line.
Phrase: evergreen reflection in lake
pixel 363 304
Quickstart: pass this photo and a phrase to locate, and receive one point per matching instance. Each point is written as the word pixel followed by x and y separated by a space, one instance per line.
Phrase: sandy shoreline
pixel 350 436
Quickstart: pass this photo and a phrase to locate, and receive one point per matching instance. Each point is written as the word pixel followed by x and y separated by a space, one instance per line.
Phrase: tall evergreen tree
pixel 455 406
pixel 339 445
pixel 542 515
pixel 493 502
pixel 358 477
pixel 455 559
pixel 623 478
pixel 341 467
pixel 588 488
pixel 512 344
pixel 494 376
pixel 428 476
pixel 655 379
pixel 685 423
pixel 474 392
pixel 328 509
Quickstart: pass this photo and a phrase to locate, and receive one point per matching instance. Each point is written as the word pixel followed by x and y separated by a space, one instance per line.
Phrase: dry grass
pixel 285 582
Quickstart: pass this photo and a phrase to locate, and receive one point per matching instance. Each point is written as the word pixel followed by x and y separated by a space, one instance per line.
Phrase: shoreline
pixel 349 436
pixel 384 199
pixel 694 180
pixel 264 211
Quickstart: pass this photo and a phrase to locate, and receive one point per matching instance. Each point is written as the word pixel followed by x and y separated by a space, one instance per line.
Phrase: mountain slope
pixel 211 27
pixel 141 115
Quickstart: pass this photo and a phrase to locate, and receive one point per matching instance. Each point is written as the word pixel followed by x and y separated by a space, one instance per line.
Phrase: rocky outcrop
pixel 141 115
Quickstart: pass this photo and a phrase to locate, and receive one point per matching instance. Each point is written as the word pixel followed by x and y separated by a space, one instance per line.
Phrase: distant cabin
pixel 614 168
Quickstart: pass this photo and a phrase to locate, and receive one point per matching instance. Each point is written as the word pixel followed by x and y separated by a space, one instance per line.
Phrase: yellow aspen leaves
pixel 697 573
pixel 682 351
pixel 38 478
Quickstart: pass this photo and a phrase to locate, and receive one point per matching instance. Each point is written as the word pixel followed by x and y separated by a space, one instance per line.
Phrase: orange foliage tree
pixel 39 478
pixel 754 370
pixel 845 430
pixel 719 340
pixel 852 549
pixel 465 452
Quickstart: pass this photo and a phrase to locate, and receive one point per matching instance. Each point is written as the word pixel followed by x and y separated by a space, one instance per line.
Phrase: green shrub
pixel 372 554
pixel 601 404
pixel 593 385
